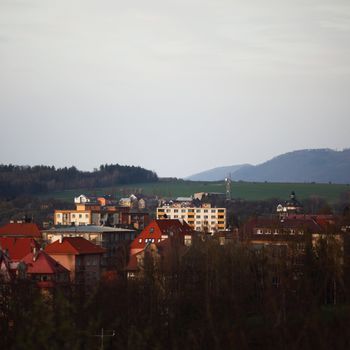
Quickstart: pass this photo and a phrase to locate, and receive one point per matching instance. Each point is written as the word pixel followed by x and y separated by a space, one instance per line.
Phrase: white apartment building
pixel 84 217
pixel 200 219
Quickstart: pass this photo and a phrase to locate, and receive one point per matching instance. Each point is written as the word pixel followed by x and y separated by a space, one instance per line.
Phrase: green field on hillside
pixel 242 190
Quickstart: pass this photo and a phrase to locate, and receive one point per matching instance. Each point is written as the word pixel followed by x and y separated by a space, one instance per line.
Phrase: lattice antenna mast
pixel 228 182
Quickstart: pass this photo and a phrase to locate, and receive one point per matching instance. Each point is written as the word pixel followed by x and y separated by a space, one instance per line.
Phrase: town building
pixel 101 211
pixel 204 219
pixel 81 257
pixel 87 214
pixel 106 237
pixel 291 206
pixel 164 255
pixel 158 230
pixel 161 240
pixel 20 229
pixel 38 266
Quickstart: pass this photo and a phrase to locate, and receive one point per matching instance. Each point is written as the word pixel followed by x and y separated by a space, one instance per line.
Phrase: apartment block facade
pixel 205 219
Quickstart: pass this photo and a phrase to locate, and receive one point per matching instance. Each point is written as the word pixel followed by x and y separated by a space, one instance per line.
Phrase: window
pixel 86 215
pixel 183 211
pixel 176 216
pixel 73 216
pixel 198 210
pixel 213 216
pixel 213 210
pixel 205 216
pixel 198 216
pixel 80 216
pixel 151 230
pixel 205 210
pixel 176 210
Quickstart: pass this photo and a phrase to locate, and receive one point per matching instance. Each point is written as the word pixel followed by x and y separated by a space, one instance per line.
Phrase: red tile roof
pixel 42 264
pixel 18 248
pixel 20 230
pixel 158 228
pixel 73 245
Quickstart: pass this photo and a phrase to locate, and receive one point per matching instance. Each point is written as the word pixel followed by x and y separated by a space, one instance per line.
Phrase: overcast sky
pixel 175 86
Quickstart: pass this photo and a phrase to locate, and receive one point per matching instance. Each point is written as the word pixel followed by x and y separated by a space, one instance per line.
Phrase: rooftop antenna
pixel 228 182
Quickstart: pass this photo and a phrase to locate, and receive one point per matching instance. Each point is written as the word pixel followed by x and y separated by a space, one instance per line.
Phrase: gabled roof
pixel 17 248
pixel 20 230
pixel 42 263
pixel 158 228
pixel 73 245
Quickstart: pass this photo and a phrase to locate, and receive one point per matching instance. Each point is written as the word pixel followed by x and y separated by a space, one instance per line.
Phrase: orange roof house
pixel 45 270
pixel 80 256
pixel 159 239
pixel 165 254
pixel 158 230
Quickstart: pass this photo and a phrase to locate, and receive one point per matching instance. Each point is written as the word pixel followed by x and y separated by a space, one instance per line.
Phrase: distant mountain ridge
pixel 308 165
pixel 216 174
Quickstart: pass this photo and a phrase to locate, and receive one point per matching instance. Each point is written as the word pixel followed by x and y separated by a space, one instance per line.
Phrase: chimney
pixel 34 254
pixel 60 239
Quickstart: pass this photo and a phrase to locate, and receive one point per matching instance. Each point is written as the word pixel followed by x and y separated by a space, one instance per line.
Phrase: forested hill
pixel 16 180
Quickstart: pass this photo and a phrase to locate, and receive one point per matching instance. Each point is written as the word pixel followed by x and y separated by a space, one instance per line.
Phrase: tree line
pixel 30 180
pixel 212 297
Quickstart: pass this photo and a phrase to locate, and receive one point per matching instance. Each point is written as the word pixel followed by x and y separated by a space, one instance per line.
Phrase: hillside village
pixel 103 243
pixel 103 237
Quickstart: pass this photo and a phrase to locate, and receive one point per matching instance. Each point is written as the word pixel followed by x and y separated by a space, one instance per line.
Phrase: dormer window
pixel 151 230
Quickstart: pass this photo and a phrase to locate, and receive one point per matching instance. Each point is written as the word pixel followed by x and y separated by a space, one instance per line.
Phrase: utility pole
pixel 103 335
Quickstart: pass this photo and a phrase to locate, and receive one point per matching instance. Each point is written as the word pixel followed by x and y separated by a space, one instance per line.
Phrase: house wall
pixel 68 261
